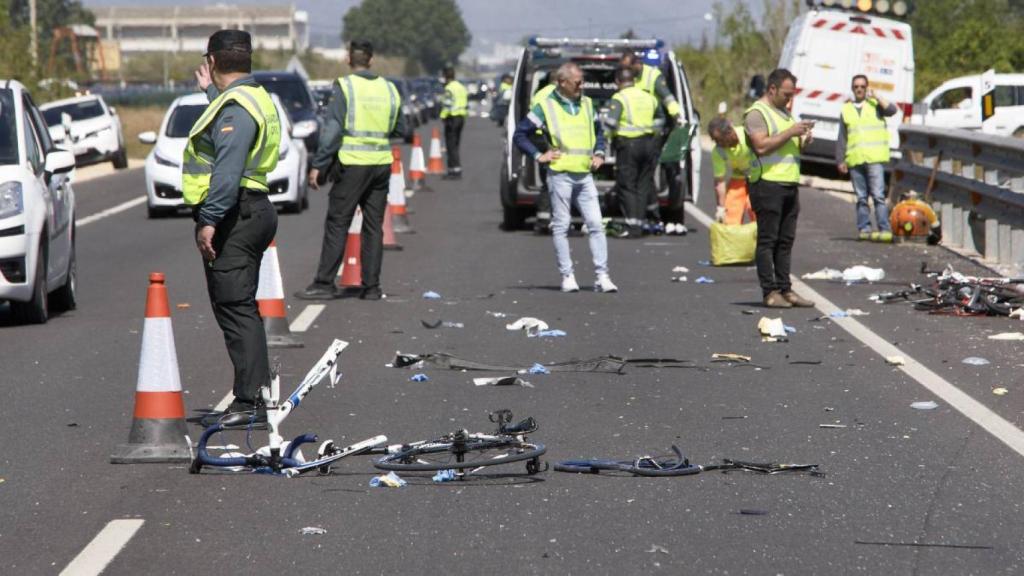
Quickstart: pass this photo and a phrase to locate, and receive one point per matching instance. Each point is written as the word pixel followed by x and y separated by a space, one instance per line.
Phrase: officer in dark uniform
pixel 231 149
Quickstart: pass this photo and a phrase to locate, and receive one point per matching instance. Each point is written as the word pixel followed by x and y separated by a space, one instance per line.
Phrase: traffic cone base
pixel 390 242
pixel 158 421
pixel 270 299
pixel 351 272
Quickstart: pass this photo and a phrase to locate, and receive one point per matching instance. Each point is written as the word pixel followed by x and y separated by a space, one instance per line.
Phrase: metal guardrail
pixel 976 187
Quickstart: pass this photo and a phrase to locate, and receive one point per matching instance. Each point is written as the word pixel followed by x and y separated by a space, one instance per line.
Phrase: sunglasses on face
pixel 860 86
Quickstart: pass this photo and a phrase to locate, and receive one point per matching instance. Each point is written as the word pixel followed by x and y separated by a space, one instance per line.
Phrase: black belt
pixel 246 196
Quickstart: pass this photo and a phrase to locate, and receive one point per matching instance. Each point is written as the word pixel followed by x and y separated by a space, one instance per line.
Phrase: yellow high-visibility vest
pixel 372 108
pixel 783 165
pixel 638 108
pixel 456 100
pixel 572 135
pixel 867 136
pixel 730 163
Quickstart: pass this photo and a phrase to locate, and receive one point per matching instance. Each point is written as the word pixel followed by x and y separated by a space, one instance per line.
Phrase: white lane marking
pixel 223 404
pixel 977 412
pixel 110 211
pixel 306 318
pixel 103 548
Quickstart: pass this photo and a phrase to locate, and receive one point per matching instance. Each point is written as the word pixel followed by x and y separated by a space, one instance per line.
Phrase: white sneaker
pixel 681 230
pixel 670 228
pixel 569 284
pixel 604 284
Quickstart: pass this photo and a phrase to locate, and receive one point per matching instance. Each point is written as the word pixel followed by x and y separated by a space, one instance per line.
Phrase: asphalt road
pixel 893 475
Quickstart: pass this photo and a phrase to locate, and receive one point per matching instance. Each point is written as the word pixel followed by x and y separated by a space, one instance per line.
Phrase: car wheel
pixel 513 218
pixel 305 198
pixel 121 159
pixel 35 311
pixel 155 212
pixel 66 297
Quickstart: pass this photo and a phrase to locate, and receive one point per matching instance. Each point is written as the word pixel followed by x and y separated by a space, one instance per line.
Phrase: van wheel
pixel 35 311
pixel 513 218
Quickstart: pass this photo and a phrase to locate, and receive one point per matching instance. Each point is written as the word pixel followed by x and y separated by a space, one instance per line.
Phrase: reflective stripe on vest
pixel 197 165
pixel 372 108
pixel 867 136
pixel 456 100
pixel 638 109
pixel 783 165
pixel 572 135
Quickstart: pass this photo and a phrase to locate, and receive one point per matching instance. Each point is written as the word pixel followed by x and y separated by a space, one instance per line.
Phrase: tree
pixel 50 14
pixel 14 40
pixel 431 32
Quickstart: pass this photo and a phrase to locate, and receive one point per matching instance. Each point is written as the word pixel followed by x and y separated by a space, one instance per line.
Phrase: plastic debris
pixel 823 274
pixel 856 312
pixel 389 480
pixel 431 325
pixel 657 549
pixel 926 405
pixel 863 273
pixel 497 314
pixel 1011 336
pixel 431 295
pixel 1018 314
pixel 729 357
pixel 680 279
pixel 1000 391
pixel 772 329
pixel 502 381
pixel 453 325
pixel 753 512
pixel 895 360
pixel 704 262
pixel 538 369
pixel 975 361
pixel 312 531
pixel 442 361
pixel 680 270
pixel 831 425
pixel 183 306
pixel 528 323
pixel 789 329
pixel 444 476
pixel 705 280
pixel 547 334
pixel 838 314
pixel 419 378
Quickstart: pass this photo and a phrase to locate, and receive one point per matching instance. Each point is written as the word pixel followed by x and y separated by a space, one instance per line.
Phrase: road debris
pixel 312 531
pixel 431 295
pixel 753 512
pixel 502 381
pixel 419 378
pixel 823 274
pixel 925 545
pixel 772 329
pixel 863 273
pixel 1008 336
pixel 1000 391
pixel 538 369
pixel 729 357
pixel 497 314
pixel 389 480
pixel 554 333
pixel 444 476
pixel 705 280
pixel 657 549
pixel 441 360
pixel 926 405
pixel 183 306
pixel 975 361
pixel 832 426
pixel 680 279
pixel 528 323
pixel 680 270
pixel 895 361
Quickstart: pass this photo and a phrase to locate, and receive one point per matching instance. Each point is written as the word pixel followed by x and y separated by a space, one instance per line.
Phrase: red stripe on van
pixel 814 94
pixel 898 34
pixel 839 25
pixel 879 32
pixel 834 96
pixel 820 23
pixel 858 30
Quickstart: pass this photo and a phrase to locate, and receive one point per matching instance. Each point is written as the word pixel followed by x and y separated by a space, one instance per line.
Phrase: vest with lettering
pixel 638 108
pixel 372 108
pixel 571 134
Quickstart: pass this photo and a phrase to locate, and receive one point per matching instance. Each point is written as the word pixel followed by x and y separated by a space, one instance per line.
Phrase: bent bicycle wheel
pixel 591 466
pixel 461 456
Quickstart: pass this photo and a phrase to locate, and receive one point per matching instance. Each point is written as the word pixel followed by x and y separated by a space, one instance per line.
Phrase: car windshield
pixel 598 83
pixel 8 129
pixel 83 110
pixel 292 93
pixel 182 120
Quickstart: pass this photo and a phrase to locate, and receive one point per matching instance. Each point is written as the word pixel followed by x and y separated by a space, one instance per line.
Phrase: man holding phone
pixel 776 140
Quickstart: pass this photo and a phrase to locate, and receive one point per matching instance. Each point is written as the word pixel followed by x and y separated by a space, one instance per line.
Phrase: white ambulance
pixel 825 48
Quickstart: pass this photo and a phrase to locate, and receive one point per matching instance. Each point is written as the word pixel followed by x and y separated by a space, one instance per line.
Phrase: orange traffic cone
pixel 436 163
pixel 417 167
pixel 390 242
pixel 396 196
pixel 351 271
pixel 158 425
pixel 270 299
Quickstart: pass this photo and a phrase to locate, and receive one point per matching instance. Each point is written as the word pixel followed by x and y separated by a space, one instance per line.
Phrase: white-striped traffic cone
pixel 396 195
pixel 351 272
pixel 417 166
pixel 436 162
pixel 158 424
pixel 270 299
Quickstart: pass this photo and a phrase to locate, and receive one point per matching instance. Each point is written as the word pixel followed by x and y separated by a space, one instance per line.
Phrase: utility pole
pixel 34 41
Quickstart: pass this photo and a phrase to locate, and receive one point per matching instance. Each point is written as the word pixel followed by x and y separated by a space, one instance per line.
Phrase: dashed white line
pixel 975 411
pixel 110 211
pixel 223 404
pixel 306 318
pixel 103 548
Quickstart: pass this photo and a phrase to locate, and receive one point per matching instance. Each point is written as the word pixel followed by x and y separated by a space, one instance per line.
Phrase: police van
pixel 826 47
pixel 520 180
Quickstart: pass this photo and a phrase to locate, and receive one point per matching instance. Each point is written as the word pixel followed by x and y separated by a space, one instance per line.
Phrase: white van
pixel 957 104
pixel 825 49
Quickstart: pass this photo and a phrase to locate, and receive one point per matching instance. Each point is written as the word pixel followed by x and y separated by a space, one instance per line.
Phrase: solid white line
pixel 110 211
pixel 977 412
pixel 306 318
pixel 223 404
pixel 103 548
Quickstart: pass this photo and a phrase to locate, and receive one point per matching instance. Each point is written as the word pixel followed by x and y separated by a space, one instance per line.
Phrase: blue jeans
pixel 566 188
pixel 870 178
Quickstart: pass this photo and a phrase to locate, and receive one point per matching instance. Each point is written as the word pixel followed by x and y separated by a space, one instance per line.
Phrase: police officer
pixel 632 116
pixel 651 80
pixel 774 178
pixel 231 149
pixel 364 113
pixel 454 107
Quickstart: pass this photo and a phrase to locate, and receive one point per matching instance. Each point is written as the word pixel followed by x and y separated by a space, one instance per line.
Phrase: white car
pixel 37 212
pixel 88 127
pixel 957 103
pixel 288 182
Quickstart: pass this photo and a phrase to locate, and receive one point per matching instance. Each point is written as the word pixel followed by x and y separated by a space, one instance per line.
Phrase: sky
pixel 509 21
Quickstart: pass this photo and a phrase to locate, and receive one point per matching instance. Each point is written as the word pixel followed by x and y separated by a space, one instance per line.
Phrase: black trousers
pixel 231 280
pixel 367 188
pixel 452 138
pixel 776 207
pixel 634 176
pixel 544 199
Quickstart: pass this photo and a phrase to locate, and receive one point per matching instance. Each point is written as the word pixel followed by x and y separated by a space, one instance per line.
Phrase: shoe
pixel 670 228
pixel 569 284
pixel 681 230
pixel 317 292
pixel 797 300
pixel 372 293
pixel 774 299
pixel 242 413
pixel 864 235
pixel 604 284
pixel 883 237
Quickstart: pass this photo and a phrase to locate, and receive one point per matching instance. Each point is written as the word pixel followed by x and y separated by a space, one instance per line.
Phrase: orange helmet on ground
pixel 912 219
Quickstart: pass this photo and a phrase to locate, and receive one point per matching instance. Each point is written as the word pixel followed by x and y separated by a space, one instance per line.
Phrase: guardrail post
pixel 956 229
pixel 991 239
pixel 1017 247
pixel 992 176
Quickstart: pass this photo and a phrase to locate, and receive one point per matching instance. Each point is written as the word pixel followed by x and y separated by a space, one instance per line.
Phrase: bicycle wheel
pixel 452 455
pixel 594 466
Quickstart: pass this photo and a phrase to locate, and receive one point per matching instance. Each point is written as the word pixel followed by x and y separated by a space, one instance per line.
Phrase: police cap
pixel 233 40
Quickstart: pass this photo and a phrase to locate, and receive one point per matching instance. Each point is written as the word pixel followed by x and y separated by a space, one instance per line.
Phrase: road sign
pixel 988 94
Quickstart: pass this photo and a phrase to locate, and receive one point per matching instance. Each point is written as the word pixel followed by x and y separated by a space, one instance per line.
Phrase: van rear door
pixel 681 87
pixel 516 111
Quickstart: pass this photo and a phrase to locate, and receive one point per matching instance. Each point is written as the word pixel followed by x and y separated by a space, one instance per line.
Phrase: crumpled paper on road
pixel 530 324
pixel 862 273
pixel 1011 336
pixel 772 329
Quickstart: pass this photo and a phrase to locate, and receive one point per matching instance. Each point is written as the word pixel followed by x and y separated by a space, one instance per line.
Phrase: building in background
pixel 175 29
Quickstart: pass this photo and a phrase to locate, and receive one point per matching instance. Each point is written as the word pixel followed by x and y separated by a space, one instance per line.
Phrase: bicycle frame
pixel 278 462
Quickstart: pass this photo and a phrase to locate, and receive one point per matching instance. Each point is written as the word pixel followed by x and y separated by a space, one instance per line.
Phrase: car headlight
pixel 164 161
pixel 11 202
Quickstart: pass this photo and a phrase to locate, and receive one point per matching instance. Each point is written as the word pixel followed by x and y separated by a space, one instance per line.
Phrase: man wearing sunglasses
pixel 862 151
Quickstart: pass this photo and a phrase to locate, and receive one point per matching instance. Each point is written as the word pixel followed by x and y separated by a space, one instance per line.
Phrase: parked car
pixel 321 90
pixel 409 109
pixel 297 101
pixel 520 181
pixel 423 91
pixel 37 212
pixel 287 182
pixel 89 128
pixel 957 103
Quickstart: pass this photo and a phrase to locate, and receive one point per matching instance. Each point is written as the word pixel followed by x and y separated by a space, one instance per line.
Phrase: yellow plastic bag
pixel 733 244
